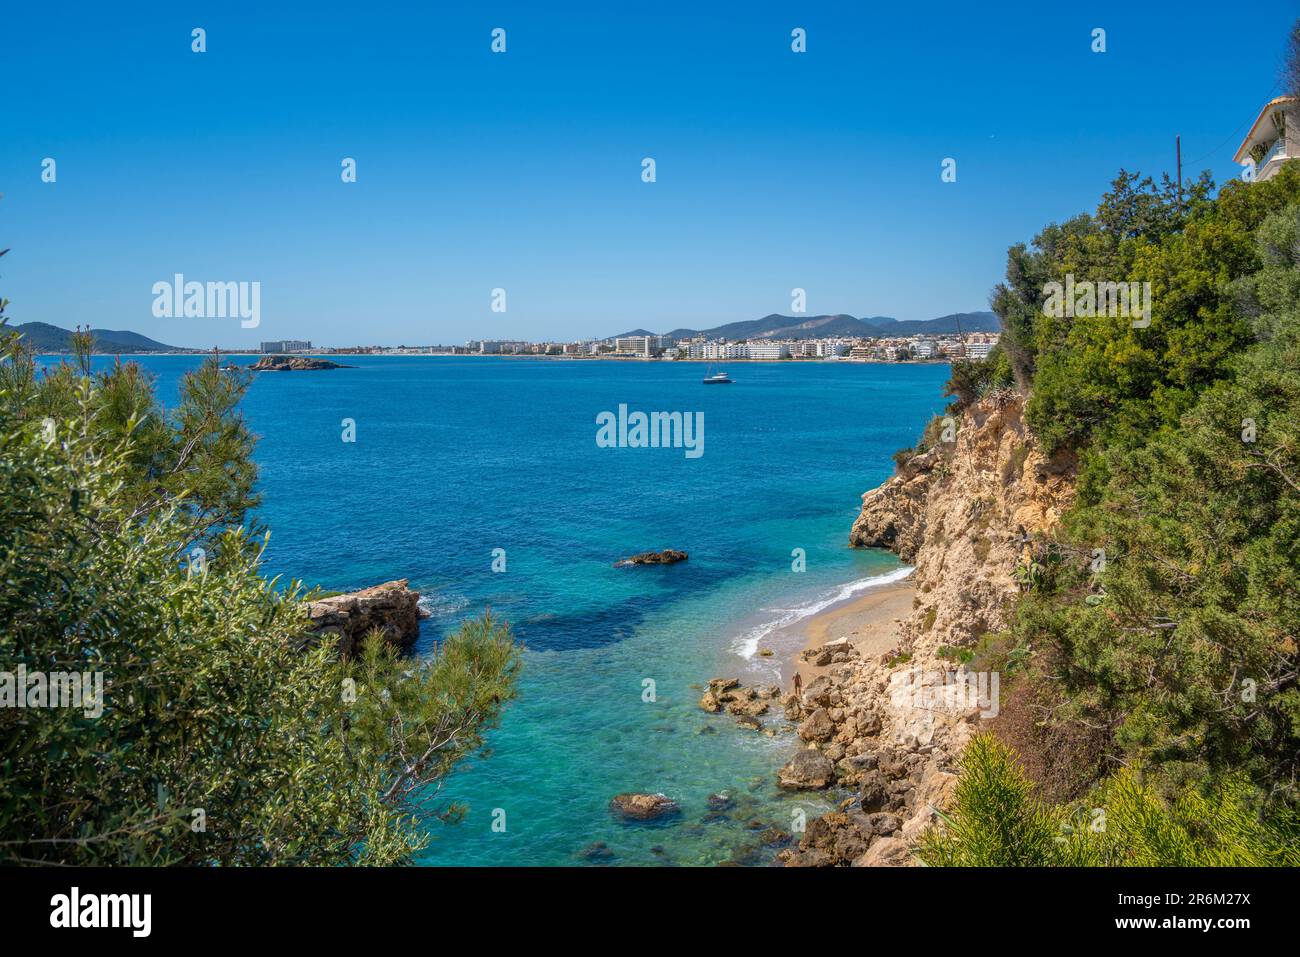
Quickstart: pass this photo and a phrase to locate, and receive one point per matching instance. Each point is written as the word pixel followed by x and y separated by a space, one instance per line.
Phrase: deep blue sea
pixel 456 457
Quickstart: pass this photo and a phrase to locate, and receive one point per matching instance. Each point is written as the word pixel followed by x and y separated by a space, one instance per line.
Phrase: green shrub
pixel 971 380
pixel 997 821
pixel 223 737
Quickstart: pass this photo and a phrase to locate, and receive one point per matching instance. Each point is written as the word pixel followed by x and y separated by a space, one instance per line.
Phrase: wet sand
pixel 870 621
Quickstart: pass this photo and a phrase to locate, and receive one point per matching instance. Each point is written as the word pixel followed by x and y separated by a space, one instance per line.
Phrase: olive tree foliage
pixel 197 455
pixel 227 734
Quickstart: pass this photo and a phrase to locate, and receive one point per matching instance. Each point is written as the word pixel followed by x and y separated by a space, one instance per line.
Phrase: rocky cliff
pixel 392 608
pixel 962 512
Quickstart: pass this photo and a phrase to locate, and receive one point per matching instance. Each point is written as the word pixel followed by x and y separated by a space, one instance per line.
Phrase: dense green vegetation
pixel 998 821
pixel 1158 635
pixel 226 735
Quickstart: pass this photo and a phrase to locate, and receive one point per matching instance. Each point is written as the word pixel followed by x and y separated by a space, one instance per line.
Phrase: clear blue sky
pixel 523 170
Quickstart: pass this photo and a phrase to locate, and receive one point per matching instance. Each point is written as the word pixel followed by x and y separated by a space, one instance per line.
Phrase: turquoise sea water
pixel 456 457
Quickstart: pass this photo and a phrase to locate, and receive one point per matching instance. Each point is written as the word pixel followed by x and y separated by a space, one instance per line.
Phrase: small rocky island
pixel 294 364
pixel 668 556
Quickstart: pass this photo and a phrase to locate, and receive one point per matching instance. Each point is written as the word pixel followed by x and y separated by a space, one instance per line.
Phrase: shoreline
pixel 871 621
pixel 316 354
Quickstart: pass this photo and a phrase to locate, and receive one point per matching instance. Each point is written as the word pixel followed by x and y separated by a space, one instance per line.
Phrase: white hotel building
pixel 1274 137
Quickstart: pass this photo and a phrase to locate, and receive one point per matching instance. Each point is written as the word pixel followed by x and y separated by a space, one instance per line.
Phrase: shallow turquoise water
pixel 456 457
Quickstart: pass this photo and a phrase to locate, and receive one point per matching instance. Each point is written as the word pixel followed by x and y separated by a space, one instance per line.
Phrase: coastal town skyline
pixel 936 340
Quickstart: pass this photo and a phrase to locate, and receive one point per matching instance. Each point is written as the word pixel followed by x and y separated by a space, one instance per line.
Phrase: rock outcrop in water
pixel 668 556
pixel 293 364
pixel 893 727
pixel 392 608
pixel 747 704
pixel 633 806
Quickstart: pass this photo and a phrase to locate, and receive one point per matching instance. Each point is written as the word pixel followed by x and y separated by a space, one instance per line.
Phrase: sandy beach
pixel 870 621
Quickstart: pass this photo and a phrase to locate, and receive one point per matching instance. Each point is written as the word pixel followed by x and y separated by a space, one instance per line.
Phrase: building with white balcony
pixel 642 345
pixel 769 350
pixel 1273 138
pixel 286 345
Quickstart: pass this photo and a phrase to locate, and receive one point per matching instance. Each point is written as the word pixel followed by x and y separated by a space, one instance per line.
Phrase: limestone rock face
pixel 893 515
pixel 965 514
pixel 392 608
pixel 960 513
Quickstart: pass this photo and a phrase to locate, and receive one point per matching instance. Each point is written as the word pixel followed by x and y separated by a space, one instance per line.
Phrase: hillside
pixel 44 337
pixel 1105 534
pixel 776 326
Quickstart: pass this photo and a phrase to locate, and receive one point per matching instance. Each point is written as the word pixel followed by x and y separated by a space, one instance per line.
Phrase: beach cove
pixel 456 460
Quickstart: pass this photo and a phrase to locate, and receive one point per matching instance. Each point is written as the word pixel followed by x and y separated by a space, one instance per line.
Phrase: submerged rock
pixel 597 851
pixel 721 801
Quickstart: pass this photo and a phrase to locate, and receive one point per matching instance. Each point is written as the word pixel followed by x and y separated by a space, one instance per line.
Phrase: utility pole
pixel 1178 152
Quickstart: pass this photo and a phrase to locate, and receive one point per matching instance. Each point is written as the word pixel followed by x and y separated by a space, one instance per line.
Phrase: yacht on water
pixel 718 378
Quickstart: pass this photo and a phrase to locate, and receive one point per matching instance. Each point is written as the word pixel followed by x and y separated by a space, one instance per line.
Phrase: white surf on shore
pixel 746 645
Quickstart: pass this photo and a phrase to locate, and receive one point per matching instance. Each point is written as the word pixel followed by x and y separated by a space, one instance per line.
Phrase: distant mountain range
pixel 44 337
pixel 822 327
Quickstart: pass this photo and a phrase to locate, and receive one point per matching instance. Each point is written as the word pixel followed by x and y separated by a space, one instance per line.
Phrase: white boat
pixel 718 378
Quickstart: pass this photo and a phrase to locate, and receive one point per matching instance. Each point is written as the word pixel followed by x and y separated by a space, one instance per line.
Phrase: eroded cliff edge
pixel 963 512
pixel 392 609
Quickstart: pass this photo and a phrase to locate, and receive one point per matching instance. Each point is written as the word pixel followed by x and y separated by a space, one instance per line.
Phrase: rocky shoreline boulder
pixel 746 704
pixel 392 608
pixel 808 770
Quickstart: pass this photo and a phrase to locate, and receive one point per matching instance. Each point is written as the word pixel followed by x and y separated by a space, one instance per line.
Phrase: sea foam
pixel 746 645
